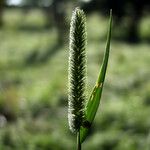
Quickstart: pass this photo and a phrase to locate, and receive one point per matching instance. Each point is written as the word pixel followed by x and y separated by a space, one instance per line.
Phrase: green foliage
pixel 80 116
pixel 9 102
pixel 94 100
pixel 122 122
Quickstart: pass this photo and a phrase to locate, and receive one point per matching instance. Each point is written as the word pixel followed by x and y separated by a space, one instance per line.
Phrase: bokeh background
pixel 33 74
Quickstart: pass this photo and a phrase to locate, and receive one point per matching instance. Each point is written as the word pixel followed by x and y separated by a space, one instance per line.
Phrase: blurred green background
pixel 33 74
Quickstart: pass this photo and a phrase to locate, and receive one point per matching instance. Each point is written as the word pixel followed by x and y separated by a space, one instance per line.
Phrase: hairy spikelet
pixel 77 70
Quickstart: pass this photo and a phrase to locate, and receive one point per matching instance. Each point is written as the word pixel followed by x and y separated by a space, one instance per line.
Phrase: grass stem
pixel 78 140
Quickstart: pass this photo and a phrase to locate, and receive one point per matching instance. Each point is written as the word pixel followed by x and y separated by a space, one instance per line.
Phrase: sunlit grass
pixel 125 100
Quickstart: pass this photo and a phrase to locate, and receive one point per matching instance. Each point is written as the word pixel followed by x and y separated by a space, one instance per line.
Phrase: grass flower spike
pixel 81 112
pixel 77 70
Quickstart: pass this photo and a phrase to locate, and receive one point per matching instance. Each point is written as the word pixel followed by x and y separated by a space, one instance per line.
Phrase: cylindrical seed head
pixel 77 70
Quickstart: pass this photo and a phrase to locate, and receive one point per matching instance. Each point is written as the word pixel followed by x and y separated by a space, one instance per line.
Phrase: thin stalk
pixel 78 140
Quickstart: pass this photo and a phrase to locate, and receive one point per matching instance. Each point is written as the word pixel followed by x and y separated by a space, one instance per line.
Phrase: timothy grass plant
pixel 81 112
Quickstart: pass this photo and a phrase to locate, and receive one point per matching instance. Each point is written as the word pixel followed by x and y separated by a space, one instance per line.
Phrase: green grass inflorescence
pixel 77 70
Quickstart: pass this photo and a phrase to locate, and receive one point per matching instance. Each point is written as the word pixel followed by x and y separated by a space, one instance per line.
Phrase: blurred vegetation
pixel 33 85
pixel 127 14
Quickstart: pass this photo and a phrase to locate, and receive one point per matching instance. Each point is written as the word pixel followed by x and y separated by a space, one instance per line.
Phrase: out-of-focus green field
pixel 33 87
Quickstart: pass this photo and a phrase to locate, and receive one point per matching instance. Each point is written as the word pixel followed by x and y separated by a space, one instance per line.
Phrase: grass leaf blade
pixel 94 100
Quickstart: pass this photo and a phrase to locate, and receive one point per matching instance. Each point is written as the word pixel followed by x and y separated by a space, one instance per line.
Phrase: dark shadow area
pixel 35 57
pixel 122 9
pixel 30 29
